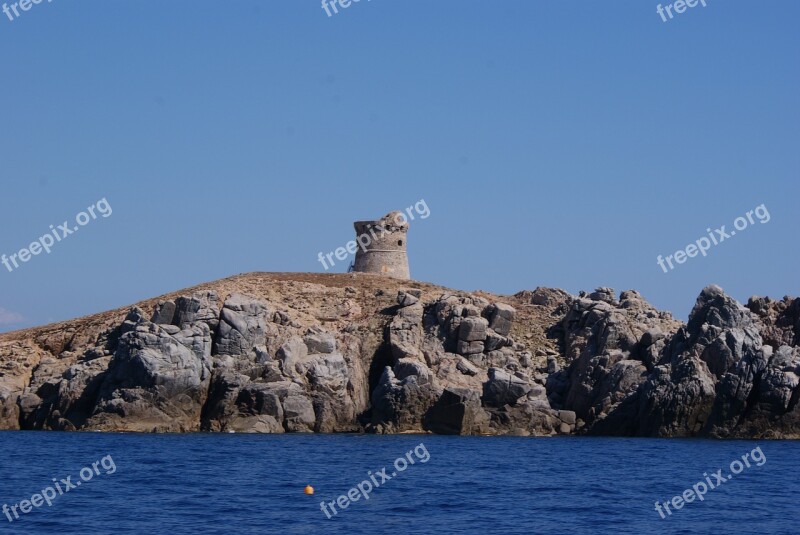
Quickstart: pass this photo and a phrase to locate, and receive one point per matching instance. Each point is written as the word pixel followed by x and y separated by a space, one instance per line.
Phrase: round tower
pixel 383 246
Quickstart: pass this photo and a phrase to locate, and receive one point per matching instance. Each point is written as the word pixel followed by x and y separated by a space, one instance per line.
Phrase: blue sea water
pixel 227 483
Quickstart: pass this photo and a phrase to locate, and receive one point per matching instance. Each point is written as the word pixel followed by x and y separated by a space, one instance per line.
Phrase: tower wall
pixel 386 253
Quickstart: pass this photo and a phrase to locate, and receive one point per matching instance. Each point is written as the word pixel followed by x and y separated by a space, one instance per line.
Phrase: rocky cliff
pixel 275 353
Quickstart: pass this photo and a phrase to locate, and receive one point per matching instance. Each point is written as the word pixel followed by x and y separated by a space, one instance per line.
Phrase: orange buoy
pixel 309 490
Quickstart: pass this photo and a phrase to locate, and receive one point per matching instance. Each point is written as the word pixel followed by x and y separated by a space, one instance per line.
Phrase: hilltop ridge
pixel 304 352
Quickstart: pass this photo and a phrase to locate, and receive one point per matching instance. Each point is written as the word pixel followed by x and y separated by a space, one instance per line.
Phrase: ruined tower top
pixel 383 246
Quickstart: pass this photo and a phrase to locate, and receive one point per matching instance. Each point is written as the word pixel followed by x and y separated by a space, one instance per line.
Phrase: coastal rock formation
pixel 713 377
pixel 278 353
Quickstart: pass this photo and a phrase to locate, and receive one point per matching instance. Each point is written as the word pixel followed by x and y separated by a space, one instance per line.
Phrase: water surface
pixel 230 483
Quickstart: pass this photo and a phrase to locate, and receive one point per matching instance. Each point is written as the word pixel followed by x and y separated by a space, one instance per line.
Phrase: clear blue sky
pixel 562 144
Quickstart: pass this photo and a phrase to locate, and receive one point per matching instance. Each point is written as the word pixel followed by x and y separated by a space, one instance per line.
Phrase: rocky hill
pixel 275 353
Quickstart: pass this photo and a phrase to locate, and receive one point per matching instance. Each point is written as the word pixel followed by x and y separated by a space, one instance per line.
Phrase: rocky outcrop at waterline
pixel 277 353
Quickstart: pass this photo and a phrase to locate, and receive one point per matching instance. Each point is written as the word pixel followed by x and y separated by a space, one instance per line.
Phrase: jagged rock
pixel 256 424
pixel 401 403
pixel 291 354
pixel 319 341
pixel 242 325
pixel 164 313
pixel 405 332
pixel 408 367
pixel 599 383
pixel 549 297
pixel 786 359
pixel 716 378
pixel 673 402
pixel 236 403
pixel 496 341
pixel 9 409
pixel 149 356
pixel 202 307
pixel 299 412
pixel 502 358
pixel 297 353
pixel 527 418
pixel 329 374
pixel 780 320
pixel 465 367
pixel 473 329
pixel 604 294
pixel 150 365
pixel 605 353
pixel 501 317
pixel 457 412
pixel 735 391
pixel 406 298
pixel 221 408
pixel 469 348
pixel 568 417
pixel 651 336
pixel 502 388
pixel 260 399
pixel 539 393
pixel 29 404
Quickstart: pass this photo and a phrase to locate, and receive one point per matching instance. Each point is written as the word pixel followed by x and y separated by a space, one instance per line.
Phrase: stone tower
pixel 383 246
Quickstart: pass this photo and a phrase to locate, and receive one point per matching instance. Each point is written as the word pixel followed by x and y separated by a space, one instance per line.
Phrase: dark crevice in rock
pixel 752 399
pixel 793 400
pixel 380 360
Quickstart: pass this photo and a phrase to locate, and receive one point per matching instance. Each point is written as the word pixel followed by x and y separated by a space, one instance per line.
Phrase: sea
pixel 100 483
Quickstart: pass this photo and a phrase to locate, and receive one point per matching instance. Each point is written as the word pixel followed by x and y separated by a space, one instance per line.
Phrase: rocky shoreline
pixel 276 353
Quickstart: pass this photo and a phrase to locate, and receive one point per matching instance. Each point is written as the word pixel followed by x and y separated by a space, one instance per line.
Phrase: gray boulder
pixel 164 313
pixel 501 317
pixel 291 355
pixel 406 298
pixel 405 332
pixel 502 388
pixel 299 413
pixel 318 340
pixel 400 404
pixel 473 329
pixel 458 411
pixel 159 378
pixel 329 374
pixel 202 307
pixel 469 348
pixel 242 326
